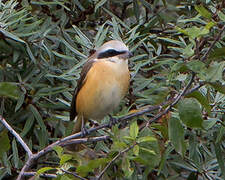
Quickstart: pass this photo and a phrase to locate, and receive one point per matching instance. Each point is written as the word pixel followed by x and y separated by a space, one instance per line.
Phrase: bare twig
pixel 213 44
pixel 74 174
pixel 17 136
pixel 49 148
pixel 45 175
pixel 176 100
pixel 113 160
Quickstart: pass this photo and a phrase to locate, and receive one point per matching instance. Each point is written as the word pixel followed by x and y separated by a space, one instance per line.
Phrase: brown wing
pixel 80 83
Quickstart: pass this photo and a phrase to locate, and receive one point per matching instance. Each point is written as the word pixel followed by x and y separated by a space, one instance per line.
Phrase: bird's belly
pixel 105 85
pixel 106 101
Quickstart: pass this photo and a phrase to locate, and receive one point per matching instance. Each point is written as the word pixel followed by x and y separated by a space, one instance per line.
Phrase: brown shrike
pixel 104 81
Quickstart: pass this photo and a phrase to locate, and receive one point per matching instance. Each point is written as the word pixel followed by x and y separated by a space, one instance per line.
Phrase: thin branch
pixel 213 44
pixel 113 160
pixel 72 138
pixel 176 100
pixel 74 174
pixel 49 148
pixel 17 136
pixel 45 175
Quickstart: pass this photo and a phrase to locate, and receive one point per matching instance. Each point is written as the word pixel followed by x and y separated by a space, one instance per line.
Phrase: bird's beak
pixel 130 54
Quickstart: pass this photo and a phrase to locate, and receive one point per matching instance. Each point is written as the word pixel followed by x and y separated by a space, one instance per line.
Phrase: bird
pixel 103 83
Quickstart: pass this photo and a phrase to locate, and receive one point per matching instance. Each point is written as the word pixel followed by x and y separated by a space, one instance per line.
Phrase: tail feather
pixel 77 128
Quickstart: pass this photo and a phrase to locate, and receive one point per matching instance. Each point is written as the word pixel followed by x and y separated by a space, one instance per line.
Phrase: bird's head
pixel 113 48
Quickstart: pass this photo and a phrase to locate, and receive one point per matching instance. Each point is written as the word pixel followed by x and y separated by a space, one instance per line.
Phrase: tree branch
pixel 213 44
pixel 45 175
pixel 16 135
pixel 113 160
pixel 49 148
pixel 73 174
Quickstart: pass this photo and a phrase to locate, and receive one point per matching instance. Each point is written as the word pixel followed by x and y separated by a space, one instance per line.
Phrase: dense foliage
pixel 177 45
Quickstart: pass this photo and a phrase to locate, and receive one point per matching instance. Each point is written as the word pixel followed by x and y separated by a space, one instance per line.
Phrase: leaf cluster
pixel 43 45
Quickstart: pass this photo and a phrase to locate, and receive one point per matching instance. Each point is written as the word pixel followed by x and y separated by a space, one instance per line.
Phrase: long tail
pixel 77 128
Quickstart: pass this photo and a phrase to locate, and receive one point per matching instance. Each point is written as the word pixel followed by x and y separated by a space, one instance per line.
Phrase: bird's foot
pixel 112 121
pixel 84 132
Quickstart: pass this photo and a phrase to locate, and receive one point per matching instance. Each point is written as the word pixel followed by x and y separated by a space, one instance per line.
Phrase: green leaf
pixel 27 127
pixel 209 123
pixel 188 51
pixel 165 155
pixel 220 134
pixel 15 38
pixel 221 16
pixel 9 89
pixel 126 167
pixel 136 150
pixel 201 99
pixel 146 139
pixel 64 158
pixel 83 38
pixel 58 150
pixel 15 154
pixel 4 142
pixel 190 112
pixel 215 72
pixel 134 130
pixel 37 116
pixel 172 41
pixel 203 11
pixel 148 151
pixel 136 9
pixel 196 66
pixel 20 102
pixel 92 164
pixel 99 4
pixel 44 169
pixel 218 86
pixel 220 158
pixel 217 53
pixel 179 67
pixel 176 135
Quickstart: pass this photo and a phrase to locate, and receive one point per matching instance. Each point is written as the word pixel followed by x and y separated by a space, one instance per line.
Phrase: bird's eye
pixel 110 53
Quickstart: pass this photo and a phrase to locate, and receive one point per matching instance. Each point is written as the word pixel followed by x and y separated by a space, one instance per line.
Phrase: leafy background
pixel 43 45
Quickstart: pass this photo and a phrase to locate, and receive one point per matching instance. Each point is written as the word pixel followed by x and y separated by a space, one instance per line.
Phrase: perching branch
pixel 49 148
pixel 45 175
pixel 72 138
pixel 113 160
pixel 73 174
pixel 16 135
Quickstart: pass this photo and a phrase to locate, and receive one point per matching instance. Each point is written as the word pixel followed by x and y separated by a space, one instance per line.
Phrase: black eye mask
pixel 110 53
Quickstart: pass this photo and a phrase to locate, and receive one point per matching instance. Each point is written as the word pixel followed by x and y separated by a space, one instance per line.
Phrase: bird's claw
pixel 84 132
pixel 113 121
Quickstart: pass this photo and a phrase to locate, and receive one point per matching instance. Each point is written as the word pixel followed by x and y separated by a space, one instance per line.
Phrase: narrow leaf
pixel 201 99
pixel 146 139
pixel 4 143
pixel 44 169
pixel 134 129
pixel 203 11
pixel 136 150
pixel 176 135
pixel 190 112
pixel 9 89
